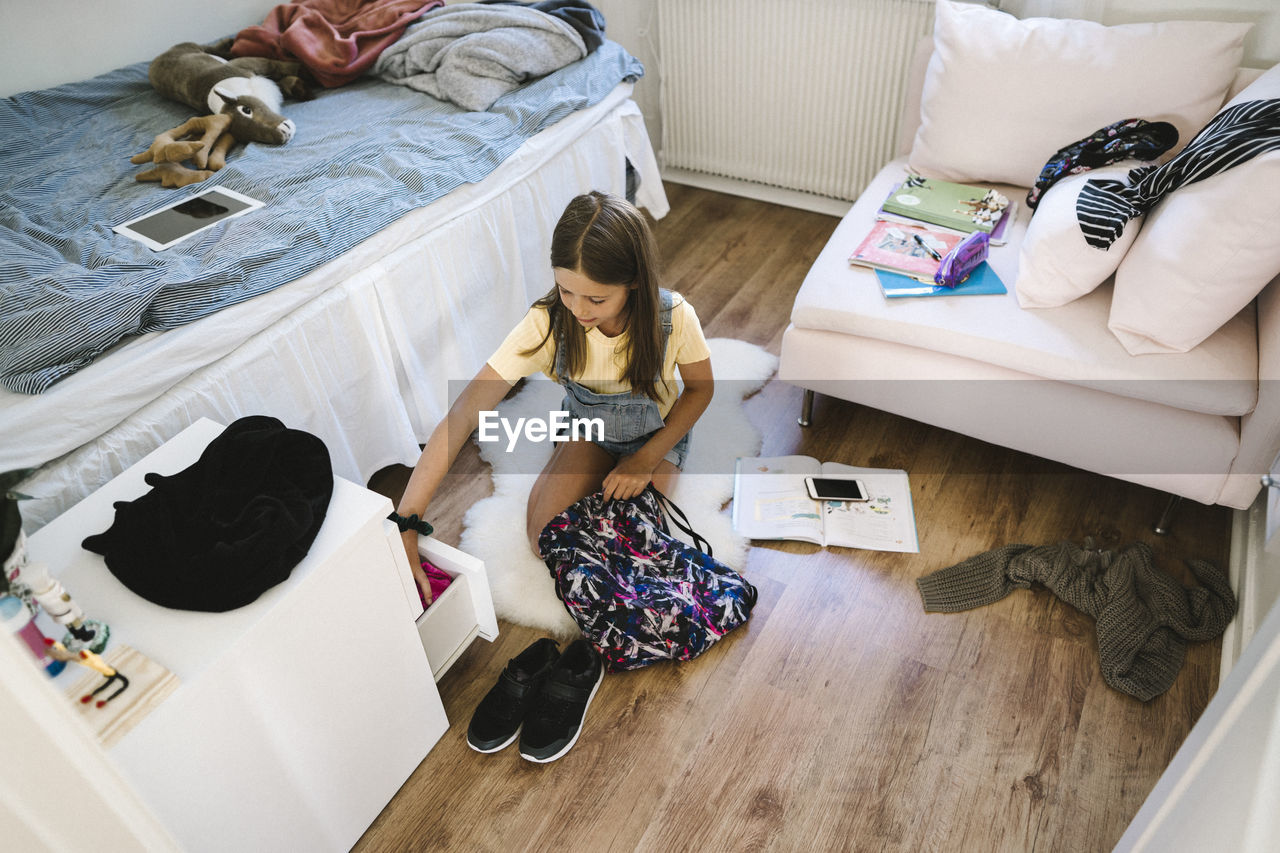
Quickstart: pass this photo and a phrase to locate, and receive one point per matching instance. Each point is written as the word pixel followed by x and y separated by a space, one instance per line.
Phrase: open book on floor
pixel 770 501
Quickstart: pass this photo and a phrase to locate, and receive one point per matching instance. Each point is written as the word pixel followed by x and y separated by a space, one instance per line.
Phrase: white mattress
pixel 365 351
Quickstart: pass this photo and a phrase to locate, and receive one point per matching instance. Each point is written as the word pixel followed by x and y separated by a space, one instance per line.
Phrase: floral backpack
pixel 639 594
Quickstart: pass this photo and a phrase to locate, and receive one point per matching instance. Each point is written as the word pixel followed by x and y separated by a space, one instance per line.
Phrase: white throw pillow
pixel 1055 264
pixel 1002 95
pixel 1206 251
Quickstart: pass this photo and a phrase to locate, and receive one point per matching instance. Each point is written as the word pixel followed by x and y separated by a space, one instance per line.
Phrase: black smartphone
pixel 836 489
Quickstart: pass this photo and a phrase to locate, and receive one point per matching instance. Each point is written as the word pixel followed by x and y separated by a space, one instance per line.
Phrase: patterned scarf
pixel 1127 139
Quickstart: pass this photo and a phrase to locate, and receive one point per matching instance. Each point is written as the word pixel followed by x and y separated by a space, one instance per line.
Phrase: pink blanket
pixel 337 40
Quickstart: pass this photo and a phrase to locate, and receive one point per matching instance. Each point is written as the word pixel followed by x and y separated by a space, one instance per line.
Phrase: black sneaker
pixel 498 717
pixel 555 718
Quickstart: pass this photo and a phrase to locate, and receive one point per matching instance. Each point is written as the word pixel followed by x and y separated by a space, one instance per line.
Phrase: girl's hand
pixel 628 478
pixel 410 539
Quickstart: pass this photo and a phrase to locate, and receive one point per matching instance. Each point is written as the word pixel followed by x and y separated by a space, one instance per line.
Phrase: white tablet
pixel 175 222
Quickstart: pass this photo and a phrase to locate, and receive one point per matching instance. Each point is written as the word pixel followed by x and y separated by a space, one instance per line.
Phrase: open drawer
pixel 448 626
pixel 461 613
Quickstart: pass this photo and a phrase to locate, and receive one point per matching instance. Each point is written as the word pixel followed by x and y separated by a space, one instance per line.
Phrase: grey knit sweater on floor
pixel 1145 618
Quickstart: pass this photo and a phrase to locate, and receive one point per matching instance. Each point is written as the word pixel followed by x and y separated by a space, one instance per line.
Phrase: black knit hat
pixel 219 533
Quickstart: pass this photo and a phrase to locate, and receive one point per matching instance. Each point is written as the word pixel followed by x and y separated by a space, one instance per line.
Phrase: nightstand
pixel 298 716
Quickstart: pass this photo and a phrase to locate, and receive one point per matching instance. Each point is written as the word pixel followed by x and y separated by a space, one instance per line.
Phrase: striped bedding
pixel 364 155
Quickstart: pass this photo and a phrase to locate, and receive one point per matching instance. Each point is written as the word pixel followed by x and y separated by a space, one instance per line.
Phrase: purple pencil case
pixel 963 259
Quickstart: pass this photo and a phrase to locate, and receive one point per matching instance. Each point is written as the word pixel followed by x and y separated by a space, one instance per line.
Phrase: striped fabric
pixel 363 156
pixel 1234 135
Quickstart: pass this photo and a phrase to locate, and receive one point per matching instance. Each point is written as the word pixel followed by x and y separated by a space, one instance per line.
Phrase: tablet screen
pixel 169 225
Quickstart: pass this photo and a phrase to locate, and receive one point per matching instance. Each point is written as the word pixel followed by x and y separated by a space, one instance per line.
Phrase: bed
pixel 400 298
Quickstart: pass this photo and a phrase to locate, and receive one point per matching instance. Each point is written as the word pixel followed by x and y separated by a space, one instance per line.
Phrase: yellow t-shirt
pixel 606 356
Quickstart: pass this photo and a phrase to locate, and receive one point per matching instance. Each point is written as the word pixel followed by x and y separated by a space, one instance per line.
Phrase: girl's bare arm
pixel 483 393
pixel 632 473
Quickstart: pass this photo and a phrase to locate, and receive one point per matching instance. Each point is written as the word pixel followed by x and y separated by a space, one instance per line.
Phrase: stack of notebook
pixel 922 220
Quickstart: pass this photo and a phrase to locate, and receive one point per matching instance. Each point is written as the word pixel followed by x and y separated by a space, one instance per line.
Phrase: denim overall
pixel 629 417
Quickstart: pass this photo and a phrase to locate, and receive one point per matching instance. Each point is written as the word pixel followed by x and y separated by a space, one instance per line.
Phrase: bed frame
pixel 365 351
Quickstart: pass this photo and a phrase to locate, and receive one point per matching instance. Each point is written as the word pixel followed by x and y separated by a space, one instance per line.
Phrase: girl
pixel 613 339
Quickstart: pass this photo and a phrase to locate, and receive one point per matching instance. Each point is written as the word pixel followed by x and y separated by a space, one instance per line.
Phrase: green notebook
pixel 964 207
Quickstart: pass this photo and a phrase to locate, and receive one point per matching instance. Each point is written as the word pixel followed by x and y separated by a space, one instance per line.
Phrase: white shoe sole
pixel 506 743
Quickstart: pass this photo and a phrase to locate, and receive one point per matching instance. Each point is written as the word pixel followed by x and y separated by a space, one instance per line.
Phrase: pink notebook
pixel 913 250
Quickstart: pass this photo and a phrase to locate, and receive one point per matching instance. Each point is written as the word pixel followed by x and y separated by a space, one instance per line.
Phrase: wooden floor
pixel 841 717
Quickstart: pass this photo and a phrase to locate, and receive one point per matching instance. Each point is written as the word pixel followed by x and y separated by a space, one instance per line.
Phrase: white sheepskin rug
pixel 523 591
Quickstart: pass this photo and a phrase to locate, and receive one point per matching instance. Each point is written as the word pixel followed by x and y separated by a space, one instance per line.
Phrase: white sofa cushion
pixel 1206 251
pixel 1056 265
pixel 1069 343
pixel 1002 95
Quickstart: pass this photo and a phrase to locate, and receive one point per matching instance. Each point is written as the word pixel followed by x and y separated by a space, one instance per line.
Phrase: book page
pixel 886 522
pixel 770 501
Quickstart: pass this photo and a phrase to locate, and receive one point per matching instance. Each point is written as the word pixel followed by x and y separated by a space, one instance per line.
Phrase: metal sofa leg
pixel 1166 518
pixel 806 409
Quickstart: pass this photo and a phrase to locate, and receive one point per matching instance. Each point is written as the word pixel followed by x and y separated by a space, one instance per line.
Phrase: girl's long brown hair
pixel 607 239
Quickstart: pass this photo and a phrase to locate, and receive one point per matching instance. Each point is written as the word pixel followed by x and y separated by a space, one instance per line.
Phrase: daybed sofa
pixel 363 349
pixel 1080 382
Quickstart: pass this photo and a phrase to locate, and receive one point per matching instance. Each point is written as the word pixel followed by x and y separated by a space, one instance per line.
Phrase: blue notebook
pixel 981 280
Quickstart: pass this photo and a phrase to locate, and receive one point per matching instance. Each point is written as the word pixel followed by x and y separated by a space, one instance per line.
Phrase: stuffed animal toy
pixel 173 175
pixel 170 148
pixel 243 97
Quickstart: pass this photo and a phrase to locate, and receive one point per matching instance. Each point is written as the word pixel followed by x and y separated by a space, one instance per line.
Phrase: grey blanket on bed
pixel 364 155
pixel 472 54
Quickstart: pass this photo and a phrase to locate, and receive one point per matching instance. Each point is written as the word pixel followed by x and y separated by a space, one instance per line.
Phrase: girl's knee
pixel 575 470
pixel 664 477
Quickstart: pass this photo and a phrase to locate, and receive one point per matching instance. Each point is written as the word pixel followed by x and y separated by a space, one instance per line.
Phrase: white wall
pixel 47 43
pixel 634 25
pixel 1261 46
pixel 1221 789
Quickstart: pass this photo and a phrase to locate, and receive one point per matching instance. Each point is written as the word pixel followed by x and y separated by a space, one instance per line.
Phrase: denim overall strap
pixel 664 315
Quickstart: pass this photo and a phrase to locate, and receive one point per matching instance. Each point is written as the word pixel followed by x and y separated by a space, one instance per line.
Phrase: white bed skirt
pixel 365 352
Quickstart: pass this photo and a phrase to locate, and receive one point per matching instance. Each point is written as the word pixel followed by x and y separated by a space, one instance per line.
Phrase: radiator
pixel 798 94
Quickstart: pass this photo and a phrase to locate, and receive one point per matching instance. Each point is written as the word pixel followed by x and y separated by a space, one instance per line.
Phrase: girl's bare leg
pixel 664 477
pixel 575 470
